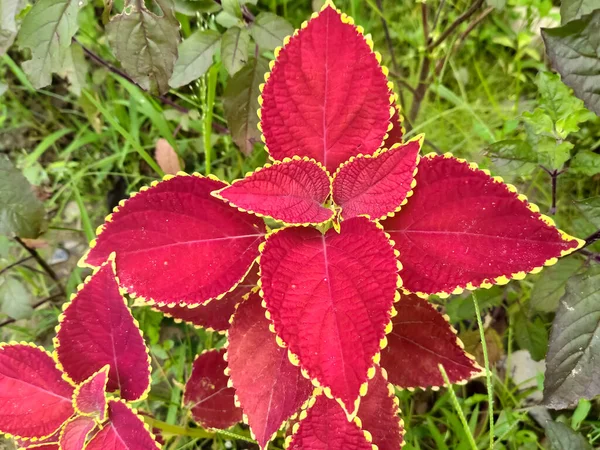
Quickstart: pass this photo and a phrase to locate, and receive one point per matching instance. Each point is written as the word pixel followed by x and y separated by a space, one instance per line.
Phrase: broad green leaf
pixel 192 7
pixel 551 283
pixel 232 7
pixel 530 334
pixel 195 57
pixel 268 30
pixel 572 363
pixel 8 22
pixel 240 102
pixel 47 30
pixel 575 9
pixel 586 163
pixel 75 69
pixel 462 308
pixel 561 437
pixel 145 43
pixel 590 208
pixel 581 412
pixel 15 299
pixel 574 50
pixel 513 157
pixel 234 49
pixel 21 212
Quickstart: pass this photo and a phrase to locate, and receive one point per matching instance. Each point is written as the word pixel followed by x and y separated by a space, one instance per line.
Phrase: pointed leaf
pixel 146 43
pixel 379 413
pixel 175 243
pixel 330 297
pixel 97 329
pixel 195 57
pixel 206 392
pixel 34 398
pixel 240 103
pixel 377 185
pixel 75 433
pixel 47 30
pixel 575 9
pixel 572 362
pixel 269 30
pixel 49 443
pixel 421 338
pixel 324 426
pixel 551 283
pixel 15 298
pixel 340 110
pixel 234 49
pixel 465 229
pixel 216 314
pixel 166 157
pixel 124 431
pixel 90 396
pixel 9 9
pixel 292 191
pixel 562 437
pixel 260 370
pixel 396 134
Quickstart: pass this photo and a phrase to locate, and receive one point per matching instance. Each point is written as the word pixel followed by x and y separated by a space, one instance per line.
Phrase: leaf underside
pixel 91 395
pixel 75 433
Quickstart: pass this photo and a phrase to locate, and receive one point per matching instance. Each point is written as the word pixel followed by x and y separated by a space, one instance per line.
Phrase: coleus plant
pixel 326 312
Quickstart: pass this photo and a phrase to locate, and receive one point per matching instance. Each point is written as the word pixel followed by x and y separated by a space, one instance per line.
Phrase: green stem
pixel 211 90
pixel 177 430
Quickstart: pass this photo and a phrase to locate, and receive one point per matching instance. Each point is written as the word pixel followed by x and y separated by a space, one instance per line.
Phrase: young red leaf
pixel 90 396
pixel 216 314
pixel 75 433
pixel 124 431
pixel 330 297
pixel 176 243
pixel 211 400
pixel 324 426
pixel 292 191
pixel 97 329
pixel 259 370
pixel 396 134
pixel 34 399
pixel 49 443
pixel 326 97
pixel 422 338
pixel 50 446
pixel 379 414
pixel 377 184
pixel 465 229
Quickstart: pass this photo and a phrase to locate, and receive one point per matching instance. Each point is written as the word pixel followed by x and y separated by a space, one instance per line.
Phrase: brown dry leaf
pixel 472 342
pixel 166 157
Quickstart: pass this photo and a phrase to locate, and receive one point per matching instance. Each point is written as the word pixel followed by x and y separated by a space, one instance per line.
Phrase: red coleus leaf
pixel 396 133
pixel 330 297
pixel 50 446
pixel 327 96
pixel 75 433
pixel 34 399
pixel 324 426
pixel 124 431
pixel 211 400
pixel 465 229
pixel 90 396
pixel 269 388
pixel 216 314
pixel 379 414
pixel 378 184
pixel 176 243
pixel 292 191
pixel 97 329
pixel 422 338
pixel 49 443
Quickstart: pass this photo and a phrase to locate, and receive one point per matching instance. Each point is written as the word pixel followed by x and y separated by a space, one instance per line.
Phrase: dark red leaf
pixel 211 400
pixel 341 109
pixel 90 396
pixel 97 329
pixel 34 399
pixel 422 338
pixel 49 443
pixel 465 229
pixel 396 134
pixel 124 431
pixel 292 191
pixel 75 433
pixel 378 184
pixel 269 388
pixel 330 297
pixel 176 243
pixel 324 426
pixel 51 446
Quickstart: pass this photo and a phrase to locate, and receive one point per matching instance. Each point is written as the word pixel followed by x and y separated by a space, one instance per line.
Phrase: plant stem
pixel 209 104
pixel 488 373
pixel 176 430
pixel 454 25
pixel 43 264
pixel 10 266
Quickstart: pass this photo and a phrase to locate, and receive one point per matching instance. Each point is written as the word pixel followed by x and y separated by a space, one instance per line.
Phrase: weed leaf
pixel 234 49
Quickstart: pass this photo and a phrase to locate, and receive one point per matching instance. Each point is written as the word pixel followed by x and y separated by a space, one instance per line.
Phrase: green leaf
pixel 513 149
pixel 586 163
pixel 47 30
pixel 15 299
pixel 574 50
pixel 575 9
pixel 232 7
pixel 192 7
pixel 530 334
pixel 462 308
pixel 551 284
pixel 581 412
pixel 269 30
pixel 9 9
pixel 195 57
pixel 572 363
pixel 561 437
pixel 590 208
pixel 234 49
pixel 21 212
pixel 240 102
pixel 498 4
pixel 75 69
pixel 145 43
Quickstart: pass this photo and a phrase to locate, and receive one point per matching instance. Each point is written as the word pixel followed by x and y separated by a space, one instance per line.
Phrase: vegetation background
pixel 472 76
